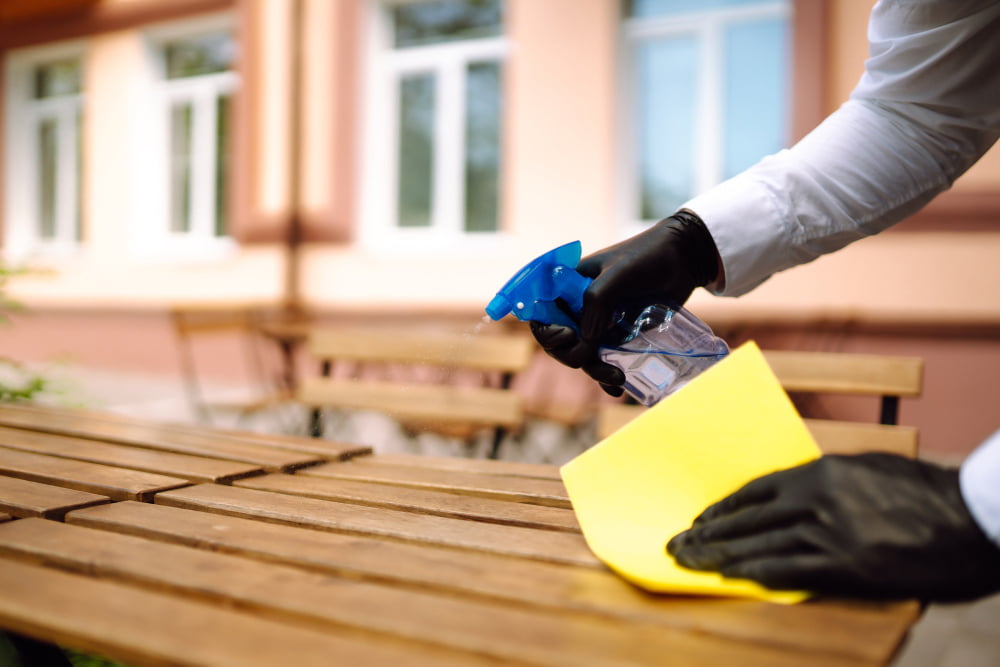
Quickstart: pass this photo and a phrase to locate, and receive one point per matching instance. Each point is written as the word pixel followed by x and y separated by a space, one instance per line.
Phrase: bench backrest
pixel 885 376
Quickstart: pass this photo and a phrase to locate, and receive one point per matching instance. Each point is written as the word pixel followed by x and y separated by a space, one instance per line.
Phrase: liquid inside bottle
pixel 665 348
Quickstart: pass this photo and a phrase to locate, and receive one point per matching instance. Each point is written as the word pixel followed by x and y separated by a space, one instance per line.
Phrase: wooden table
pixel 155 544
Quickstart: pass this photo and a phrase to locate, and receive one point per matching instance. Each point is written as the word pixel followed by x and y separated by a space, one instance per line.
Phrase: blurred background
pixel 393 162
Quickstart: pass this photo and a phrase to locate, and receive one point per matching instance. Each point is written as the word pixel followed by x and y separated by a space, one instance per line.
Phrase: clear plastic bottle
pixel 665 348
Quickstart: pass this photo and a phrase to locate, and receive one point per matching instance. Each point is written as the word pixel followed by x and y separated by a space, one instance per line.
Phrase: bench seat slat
pixel 519 489
pixel 21 498
pixel 865 632
pixel 145 627
pixel 477 466
pixel 151 436
pixel 285 592
pixel 115 483
pixel 192 468
pixel 418 500
pixel 328 515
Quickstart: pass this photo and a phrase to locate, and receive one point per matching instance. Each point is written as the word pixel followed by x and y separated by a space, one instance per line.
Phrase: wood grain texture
pixel 185 466
pixel 422 403
pixel 484 352
pixel 518 489
pixel 864 633
pixel 152 436
pixel 21 498
pixel 146 628
pixel 840 437
pixel 115 483
pixel 545 545
pixel 421 501
pixel 288 593
pixel 846 373
pixel 478 466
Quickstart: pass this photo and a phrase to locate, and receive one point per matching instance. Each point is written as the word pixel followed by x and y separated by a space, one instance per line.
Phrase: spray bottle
pixel 659 351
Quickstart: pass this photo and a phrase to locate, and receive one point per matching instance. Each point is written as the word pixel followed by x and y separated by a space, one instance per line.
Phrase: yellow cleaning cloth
pixel 648 481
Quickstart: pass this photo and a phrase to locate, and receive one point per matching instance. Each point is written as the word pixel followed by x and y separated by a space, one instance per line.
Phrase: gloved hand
pixel 660 265
pixel 875 526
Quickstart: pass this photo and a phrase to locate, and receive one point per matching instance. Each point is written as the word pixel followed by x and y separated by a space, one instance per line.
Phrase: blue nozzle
pixel 531 294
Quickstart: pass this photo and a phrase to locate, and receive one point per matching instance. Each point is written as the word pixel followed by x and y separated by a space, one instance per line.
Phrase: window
pixel 434 134
pixel 707 95
pixel 197 88
pixel 43 155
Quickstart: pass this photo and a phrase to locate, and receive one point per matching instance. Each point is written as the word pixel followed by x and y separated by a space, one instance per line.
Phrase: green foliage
pixel 87 660
pixel 17 383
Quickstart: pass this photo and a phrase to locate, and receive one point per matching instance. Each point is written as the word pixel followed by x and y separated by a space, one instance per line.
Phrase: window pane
pixel 666 84
pixel 56 79
pixel 47 168
pixel 181 129
pixel 195 56
pixel 420 23
pixel 482 146
pixel 221 163
pixel 416 149
pixel 755 109
pixel 646 8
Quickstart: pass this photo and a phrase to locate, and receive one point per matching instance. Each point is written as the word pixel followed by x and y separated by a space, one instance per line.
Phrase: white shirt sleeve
pixel 978 478
pixel 927 107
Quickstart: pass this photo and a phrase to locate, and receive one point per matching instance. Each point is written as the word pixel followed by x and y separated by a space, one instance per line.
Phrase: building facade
pixel 401 158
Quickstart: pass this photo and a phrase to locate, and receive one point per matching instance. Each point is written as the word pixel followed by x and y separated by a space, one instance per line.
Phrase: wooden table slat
pixel 144 627
pixel 329 515
pixel 185 466
pixel 418 500
pixel 296 595
pixel 476 466
pixel 327 449
pixel 518 489
pixel 866 632
pixel 151 436
pixel 115 483
pixel 21 498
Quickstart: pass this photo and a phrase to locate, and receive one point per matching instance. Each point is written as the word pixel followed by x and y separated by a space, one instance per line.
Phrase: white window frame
pixel 151 236
pixel 380 157
pixel 24 114
pixel 708 28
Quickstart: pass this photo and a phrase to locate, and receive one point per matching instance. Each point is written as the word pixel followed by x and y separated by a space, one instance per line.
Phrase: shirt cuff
pixel 979 479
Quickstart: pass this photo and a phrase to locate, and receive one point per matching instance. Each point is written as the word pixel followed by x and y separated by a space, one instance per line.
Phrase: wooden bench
pixel 439 401
pixel 886 377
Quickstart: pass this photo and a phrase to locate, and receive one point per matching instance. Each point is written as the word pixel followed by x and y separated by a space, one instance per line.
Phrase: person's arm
pixel 980 483
pixel 925 110
pixel 871 526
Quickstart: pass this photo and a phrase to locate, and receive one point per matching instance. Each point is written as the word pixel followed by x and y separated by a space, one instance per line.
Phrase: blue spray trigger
pixel 531 294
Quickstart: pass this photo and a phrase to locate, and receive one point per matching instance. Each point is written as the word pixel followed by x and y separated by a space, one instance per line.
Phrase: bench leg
pixel 498 436
pixel 316 423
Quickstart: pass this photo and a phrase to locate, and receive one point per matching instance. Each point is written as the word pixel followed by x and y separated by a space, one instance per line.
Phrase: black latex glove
pixel 874 526
pixel 660 265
